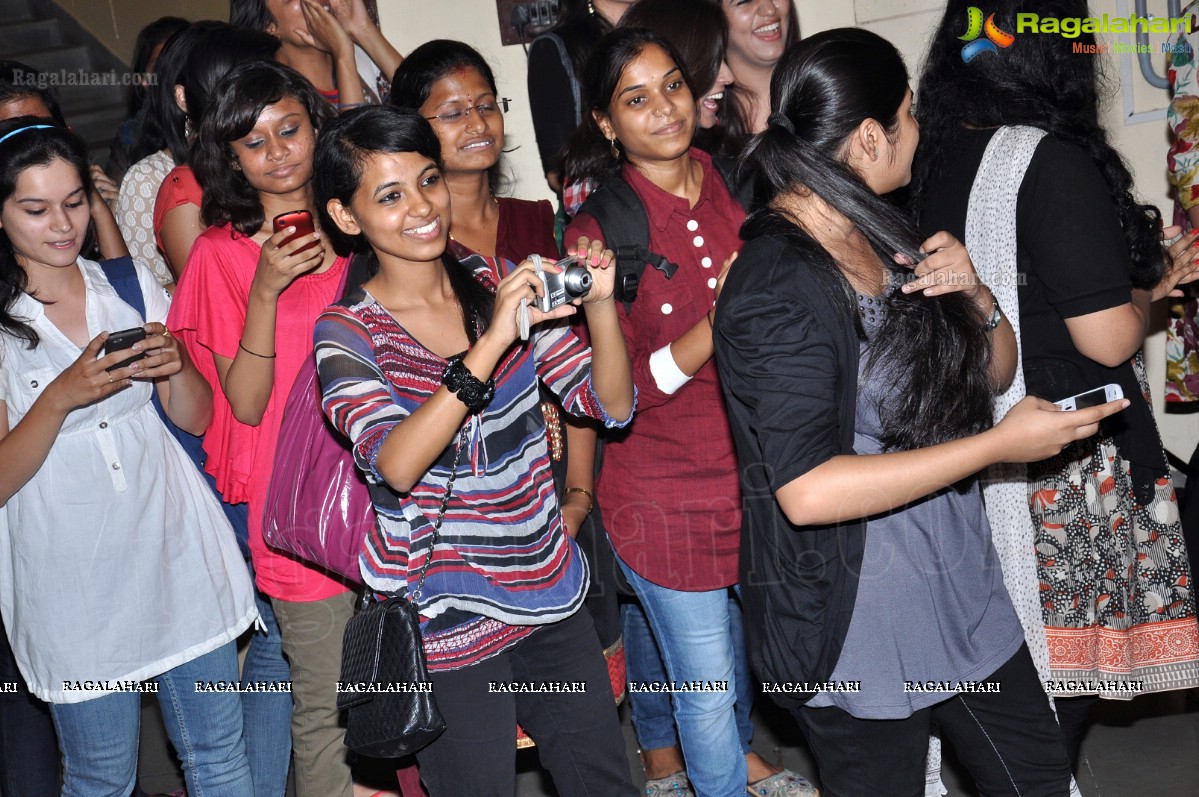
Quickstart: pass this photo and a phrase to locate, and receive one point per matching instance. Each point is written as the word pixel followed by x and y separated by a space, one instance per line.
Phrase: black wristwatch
pixel 469 389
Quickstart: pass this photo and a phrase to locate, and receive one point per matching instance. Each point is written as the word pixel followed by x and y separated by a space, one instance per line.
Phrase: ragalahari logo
pixel 995 38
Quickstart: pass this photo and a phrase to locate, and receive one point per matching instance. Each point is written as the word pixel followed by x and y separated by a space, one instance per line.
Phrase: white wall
pixel 908 23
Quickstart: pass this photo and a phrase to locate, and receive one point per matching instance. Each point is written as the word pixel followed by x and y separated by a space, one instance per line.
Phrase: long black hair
pixel 237 103
pixel 822 89
pixel 429 63
pixel 702 44
pixel 341 152
pixel 27 149
pixel 588 153
pixel 157 32
pixel 196 59
pixel 1037 81
pixel 163 121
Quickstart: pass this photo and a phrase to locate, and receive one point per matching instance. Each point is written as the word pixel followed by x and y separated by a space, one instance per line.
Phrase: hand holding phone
pixel 1092 398
pixel 302 221
pixel 125 340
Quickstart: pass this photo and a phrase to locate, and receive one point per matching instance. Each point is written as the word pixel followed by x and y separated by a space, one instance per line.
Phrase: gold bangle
pixel 584 491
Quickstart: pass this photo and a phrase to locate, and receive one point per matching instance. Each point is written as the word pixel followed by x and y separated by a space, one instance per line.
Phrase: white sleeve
pixel 157 300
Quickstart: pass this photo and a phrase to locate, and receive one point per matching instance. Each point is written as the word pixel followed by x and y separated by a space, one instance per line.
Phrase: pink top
pixel 208 312
pixel 179 188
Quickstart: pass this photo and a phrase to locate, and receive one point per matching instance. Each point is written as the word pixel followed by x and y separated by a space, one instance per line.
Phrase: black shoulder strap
pixel 738 183
pixel 621 217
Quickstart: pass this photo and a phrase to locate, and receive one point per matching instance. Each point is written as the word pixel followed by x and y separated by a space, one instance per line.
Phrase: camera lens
pixel 577 281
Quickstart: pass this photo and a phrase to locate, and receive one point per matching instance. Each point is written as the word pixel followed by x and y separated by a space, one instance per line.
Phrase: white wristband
pixel 666 371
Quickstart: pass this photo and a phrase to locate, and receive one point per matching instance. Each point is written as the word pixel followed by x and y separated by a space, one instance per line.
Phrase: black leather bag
pixel 385 688
pixel 382 651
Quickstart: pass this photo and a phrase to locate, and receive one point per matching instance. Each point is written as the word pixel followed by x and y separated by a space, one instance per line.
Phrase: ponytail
pixel 822 89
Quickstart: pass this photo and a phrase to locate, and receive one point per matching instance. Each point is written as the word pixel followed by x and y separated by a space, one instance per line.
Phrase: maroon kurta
pixel 669 486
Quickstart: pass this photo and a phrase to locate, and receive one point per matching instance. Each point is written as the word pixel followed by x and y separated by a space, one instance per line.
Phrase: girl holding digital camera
pixel 423 371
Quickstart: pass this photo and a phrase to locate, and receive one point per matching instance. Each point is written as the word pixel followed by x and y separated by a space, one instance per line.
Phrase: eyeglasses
pixel 485 110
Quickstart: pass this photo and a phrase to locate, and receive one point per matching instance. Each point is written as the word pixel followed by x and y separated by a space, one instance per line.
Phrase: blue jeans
pixel 694 635
pixel 653 720
pixel 267 715
pixel 98 738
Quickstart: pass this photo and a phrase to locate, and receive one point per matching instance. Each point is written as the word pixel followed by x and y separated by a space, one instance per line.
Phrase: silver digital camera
pixel 573 282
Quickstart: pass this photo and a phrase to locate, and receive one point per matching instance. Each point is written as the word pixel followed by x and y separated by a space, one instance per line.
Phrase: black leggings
pixel 577 733
pixel 1009 742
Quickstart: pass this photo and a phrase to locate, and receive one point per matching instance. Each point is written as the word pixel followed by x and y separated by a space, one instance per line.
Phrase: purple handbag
pixel 317 504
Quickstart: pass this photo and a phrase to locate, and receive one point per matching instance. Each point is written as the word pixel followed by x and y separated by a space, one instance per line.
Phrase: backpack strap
pixel 568 67
pixel 122 276
pixel 621 217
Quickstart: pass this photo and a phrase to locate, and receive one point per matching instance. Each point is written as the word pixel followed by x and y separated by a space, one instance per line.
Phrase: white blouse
pixel 135 211
pixel 116 561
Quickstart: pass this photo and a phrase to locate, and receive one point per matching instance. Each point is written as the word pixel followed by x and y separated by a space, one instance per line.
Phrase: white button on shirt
pixel 692 225
pixel 698 241
pixel 116 560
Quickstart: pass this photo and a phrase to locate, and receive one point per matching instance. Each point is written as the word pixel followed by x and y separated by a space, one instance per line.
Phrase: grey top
pixel 931 605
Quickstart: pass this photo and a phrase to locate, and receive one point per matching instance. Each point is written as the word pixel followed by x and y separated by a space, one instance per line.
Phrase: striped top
pixel 503 564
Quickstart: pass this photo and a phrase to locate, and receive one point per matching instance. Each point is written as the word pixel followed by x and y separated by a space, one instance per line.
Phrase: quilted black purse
pixel 385 688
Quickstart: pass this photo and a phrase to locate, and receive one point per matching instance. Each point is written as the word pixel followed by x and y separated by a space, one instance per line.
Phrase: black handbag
pixel 385 688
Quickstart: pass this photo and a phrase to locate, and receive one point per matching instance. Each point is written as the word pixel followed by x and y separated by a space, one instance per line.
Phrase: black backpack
pixel 621 217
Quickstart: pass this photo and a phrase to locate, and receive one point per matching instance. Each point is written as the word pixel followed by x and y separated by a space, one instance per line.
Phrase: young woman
pixel 703 44
pixel 212 52
pixel 759 32
pixel 556 63
pixel 858 408
pixel 94 487
pixel 423 371
pixel 246 305
pixel 1086 265
pixel 321 42
pixel 146 51
pixel 19 98
pixel 454 88
pixel 640 128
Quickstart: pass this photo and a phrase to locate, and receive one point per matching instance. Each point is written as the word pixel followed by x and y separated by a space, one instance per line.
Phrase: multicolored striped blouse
pixel 503 564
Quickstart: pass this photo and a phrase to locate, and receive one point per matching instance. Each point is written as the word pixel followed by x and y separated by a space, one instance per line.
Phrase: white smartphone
pixel 1092 398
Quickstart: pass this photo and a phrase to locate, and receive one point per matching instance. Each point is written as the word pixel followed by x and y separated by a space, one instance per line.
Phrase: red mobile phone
pixel 301 220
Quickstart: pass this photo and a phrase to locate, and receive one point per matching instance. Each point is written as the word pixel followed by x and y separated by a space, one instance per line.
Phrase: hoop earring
pixel 614 146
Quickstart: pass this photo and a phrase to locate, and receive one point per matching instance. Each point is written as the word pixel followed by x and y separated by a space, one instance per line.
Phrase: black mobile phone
pixel 124 340
pixel 302 221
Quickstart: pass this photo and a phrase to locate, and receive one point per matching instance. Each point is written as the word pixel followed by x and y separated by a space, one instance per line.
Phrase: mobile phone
pixel 124 340
pixel 302 221
pixel 1092 398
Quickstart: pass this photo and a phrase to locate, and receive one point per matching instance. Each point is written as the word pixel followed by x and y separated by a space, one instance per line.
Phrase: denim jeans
pixel 98 738
pixel 694 635
pixel 653 718
pixel 267 715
